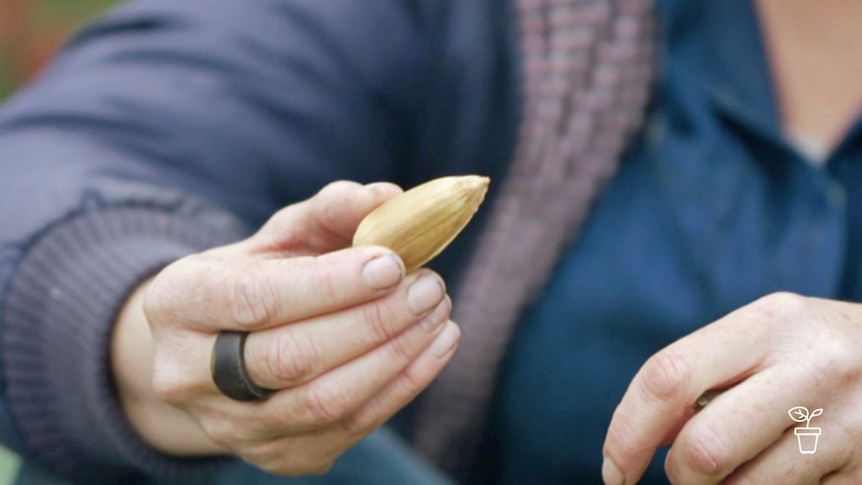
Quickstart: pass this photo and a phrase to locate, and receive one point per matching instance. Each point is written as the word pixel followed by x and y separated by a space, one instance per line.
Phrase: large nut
pixel 422 221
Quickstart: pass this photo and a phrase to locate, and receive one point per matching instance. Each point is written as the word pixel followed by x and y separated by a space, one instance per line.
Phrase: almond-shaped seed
pixel 422 221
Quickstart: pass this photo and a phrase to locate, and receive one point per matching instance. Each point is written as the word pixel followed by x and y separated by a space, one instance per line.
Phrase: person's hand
pixel 342 334
pixel 777 353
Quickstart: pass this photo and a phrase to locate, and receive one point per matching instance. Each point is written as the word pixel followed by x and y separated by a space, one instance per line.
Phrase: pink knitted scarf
pixel 587 66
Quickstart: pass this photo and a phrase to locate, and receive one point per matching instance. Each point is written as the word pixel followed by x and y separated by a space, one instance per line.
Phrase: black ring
pixel 227 366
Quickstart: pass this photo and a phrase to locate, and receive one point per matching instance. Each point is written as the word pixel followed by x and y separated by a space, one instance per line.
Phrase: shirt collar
pixel 719 43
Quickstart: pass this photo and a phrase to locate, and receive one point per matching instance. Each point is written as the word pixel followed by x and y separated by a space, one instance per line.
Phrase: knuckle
pixel 357 424
pixel 291 359
pixel 836 362
pixel 665 375
pixel 400 350
pixel 292 456
pixel 326 404
pixel 337 187
pixel 780 308
pixel 705 453
pixel 330 288
pixel 279 228
pixel 163 297
pixel 411 383
pixel 156 301
pixel 621 446
pixel 252 299
pixel 220 430
pixel 280 218
pixel 379 318
pixel 331 200
pixel 275 456
pixel 168 385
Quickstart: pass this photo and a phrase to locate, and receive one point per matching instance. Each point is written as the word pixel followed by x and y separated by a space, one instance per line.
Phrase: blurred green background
pixel 30 33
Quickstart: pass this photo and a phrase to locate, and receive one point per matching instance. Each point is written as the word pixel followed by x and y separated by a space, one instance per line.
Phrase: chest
pixel 710 211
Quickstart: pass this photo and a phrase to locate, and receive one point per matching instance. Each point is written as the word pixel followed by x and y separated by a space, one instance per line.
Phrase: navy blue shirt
pixel 712 209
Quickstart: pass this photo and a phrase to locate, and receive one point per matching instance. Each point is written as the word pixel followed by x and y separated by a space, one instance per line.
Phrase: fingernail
pixel 438 316
pixel 424 294
pixel 383 272
pixel 446 341
pixel 611 474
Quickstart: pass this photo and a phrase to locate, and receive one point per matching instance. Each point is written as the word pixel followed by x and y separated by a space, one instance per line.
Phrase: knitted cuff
pixel 59 309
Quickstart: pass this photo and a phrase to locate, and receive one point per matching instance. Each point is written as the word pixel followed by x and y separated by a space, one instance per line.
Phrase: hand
pixel 341 333
pixel 777 353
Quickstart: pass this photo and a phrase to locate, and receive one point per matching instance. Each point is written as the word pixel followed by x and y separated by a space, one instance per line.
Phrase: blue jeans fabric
pixel 382 458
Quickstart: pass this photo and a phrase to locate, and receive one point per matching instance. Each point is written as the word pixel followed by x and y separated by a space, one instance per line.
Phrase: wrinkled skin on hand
pixel 777 353
pixel 343 335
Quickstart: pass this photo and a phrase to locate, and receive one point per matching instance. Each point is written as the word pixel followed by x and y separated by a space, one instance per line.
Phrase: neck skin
pixel 814 53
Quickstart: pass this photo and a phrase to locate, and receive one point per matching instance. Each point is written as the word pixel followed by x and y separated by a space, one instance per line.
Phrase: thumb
pixel 325 222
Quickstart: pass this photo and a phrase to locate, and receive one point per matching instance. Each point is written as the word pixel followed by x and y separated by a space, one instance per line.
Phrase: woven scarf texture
pixel 587 68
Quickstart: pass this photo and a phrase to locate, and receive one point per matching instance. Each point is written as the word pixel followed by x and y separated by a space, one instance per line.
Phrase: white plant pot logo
pixel 805 435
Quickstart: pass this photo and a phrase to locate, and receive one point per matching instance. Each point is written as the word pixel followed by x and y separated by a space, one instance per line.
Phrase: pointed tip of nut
pixel 472 181
pixel 476 180
pixel 472 188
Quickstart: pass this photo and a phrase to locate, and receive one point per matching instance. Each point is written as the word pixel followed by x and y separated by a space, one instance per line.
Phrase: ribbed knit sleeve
pixel 57 316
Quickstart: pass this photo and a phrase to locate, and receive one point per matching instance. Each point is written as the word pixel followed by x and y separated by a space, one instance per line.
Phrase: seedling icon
pixel 806 436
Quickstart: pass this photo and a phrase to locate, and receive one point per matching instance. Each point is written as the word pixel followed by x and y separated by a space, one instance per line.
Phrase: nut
pixel 418 224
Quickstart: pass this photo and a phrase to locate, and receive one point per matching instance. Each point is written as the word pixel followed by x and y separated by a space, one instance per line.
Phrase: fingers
pixel 294 354
pixel 749 424
pixel 325 222
pixel 412 380
pixel 724 434
pixel 655 402
pixel 334 398
pixel 340 401
pixel 664 389
pixel 783 463
pixel 263 293
pixel 756 349
pixel 314 452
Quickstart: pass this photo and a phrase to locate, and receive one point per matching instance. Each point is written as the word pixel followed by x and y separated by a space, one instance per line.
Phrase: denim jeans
pixel 381 459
